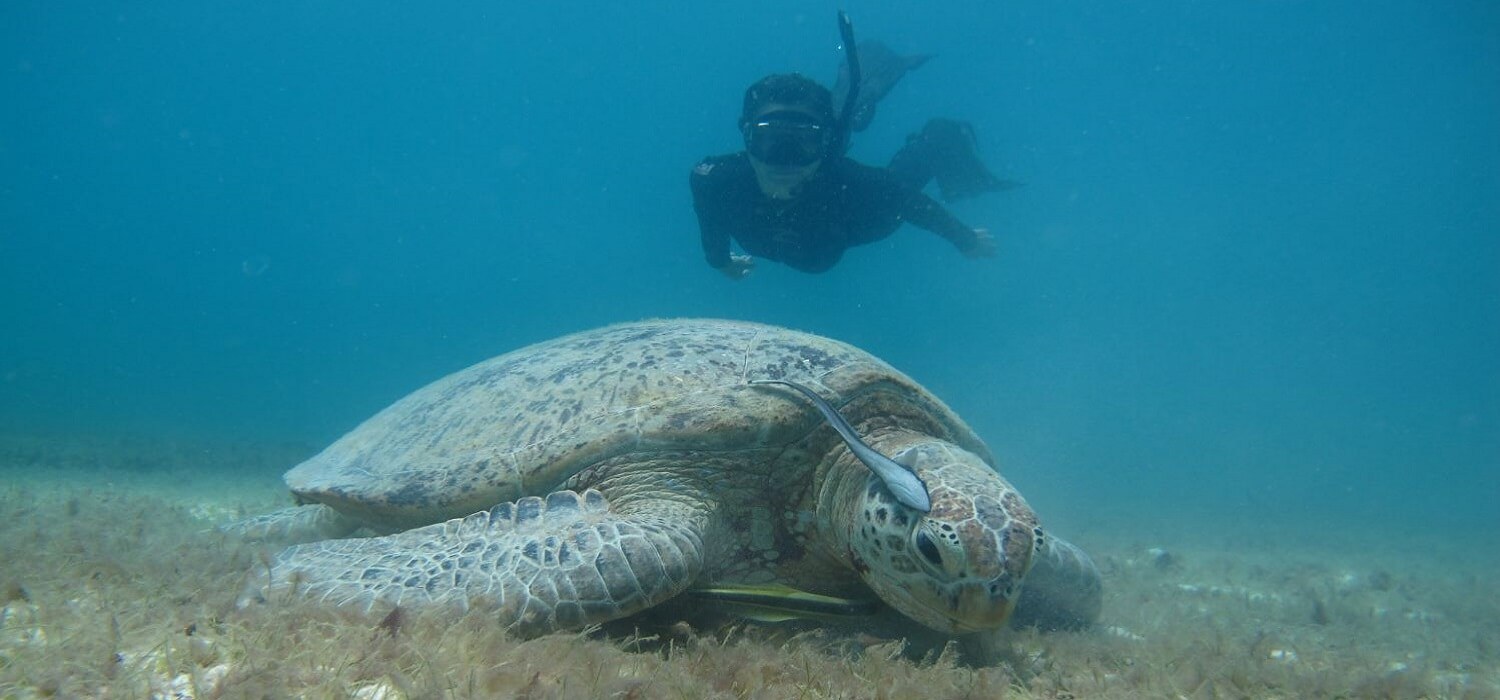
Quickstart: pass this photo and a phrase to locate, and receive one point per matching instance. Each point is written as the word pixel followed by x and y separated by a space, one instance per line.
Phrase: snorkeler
pixel 793 197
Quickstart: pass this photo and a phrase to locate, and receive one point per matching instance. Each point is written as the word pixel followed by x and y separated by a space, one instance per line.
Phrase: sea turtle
pixel 586 478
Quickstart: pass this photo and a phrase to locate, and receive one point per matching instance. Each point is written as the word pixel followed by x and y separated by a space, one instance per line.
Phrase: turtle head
pixel 959 567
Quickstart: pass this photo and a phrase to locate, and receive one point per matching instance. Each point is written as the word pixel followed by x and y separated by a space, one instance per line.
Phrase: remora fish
pixel 900 480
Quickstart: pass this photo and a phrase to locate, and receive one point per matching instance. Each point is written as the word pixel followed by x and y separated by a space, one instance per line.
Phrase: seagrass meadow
pixel 1214 283
pixel 116 585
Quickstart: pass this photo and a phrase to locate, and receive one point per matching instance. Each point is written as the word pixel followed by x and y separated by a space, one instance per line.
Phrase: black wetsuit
pixel 843 204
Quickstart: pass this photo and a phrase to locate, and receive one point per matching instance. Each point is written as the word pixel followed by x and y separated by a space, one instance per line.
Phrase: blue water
pixel 1255 267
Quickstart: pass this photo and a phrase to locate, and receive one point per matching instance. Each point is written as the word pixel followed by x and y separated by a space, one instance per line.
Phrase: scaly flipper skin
pixel 1063 591
pixel 540 565
pixel 293 525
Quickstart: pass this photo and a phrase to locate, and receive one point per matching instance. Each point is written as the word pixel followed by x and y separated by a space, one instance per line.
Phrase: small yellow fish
pixel 778 603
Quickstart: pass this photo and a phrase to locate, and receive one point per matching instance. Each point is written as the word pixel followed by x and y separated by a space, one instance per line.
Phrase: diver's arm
pixel 713 232
pixel 925 212
pixel 711 229
pixel 715 243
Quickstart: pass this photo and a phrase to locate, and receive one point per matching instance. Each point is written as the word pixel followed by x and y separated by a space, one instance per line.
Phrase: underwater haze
pixel 1254 270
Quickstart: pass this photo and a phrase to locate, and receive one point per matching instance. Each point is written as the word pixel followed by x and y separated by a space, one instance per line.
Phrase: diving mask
pixel 786 138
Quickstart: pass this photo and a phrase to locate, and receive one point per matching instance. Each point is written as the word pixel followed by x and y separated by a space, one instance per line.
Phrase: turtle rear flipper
pixel 563 562
pixel 308 523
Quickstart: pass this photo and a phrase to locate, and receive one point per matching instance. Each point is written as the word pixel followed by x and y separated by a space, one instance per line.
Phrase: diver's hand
pixel 984 245
pixel 739 267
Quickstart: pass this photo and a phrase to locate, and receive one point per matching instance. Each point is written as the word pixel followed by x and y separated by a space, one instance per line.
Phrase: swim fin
pixel 880 70
pixel 953 151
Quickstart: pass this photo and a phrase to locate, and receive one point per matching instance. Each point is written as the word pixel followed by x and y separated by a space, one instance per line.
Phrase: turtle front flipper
pixel 1063 591
pixel 563 562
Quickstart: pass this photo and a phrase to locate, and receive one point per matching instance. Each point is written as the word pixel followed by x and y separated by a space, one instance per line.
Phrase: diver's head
pixel 787 121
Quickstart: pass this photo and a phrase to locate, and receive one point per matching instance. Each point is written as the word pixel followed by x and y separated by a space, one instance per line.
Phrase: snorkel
pixel 840 141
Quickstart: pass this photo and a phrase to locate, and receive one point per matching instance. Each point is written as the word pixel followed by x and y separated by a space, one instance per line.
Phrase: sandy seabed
pixel 114 584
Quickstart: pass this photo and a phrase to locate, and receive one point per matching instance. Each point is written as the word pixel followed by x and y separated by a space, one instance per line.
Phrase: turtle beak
pixel 979 610
pixel 987 603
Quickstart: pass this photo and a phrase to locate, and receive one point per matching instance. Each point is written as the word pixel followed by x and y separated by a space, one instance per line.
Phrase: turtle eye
pixel 929 549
